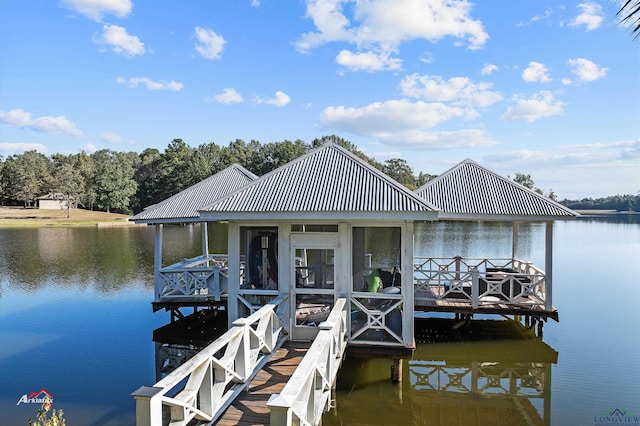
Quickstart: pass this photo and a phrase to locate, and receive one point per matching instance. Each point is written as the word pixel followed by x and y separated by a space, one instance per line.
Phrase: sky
pixel 546 88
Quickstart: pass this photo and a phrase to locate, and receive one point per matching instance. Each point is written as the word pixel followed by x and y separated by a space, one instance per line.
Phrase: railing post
pixel 475 287
pixel 148 409
pixel 243 361
pixel 548 267
pixel 280 409
pixel 157 261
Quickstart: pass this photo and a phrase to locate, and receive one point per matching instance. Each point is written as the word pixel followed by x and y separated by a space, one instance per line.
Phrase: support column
pixel 157 261
pixel 408 300
pixel 548 266
pixel 396 370
pixel 234 272
pixel 205 238
pixel 514 246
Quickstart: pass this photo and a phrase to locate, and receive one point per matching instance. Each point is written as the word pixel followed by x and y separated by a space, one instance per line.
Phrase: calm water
pixel 76 320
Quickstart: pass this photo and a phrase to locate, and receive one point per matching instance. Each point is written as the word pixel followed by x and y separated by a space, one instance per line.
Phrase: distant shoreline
pixel 20 217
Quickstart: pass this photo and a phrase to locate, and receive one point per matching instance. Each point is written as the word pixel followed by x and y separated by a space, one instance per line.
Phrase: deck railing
pixel 204 386
pixel 307 394
pixel 479 281
pixel 199 276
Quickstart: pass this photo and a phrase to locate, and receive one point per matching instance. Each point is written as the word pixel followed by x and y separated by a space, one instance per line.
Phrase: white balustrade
pixel 204 386
pixel 199 276
pixel 307 393
pixel 479 281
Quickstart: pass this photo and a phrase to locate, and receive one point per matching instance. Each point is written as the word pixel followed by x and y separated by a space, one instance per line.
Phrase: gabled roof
pixel 470 191
pixel 327 183
pixel 184 206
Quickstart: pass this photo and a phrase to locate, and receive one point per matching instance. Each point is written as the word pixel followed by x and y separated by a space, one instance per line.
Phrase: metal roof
pixel 326 183
pixel 470 191
pixel 184 206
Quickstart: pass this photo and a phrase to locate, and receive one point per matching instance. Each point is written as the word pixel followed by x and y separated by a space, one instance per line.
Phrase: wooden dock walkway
pixel 250 408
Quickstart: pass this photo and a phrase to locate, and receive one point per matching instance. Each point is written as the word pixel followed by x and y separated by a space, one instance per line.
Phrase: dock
pixel 250 407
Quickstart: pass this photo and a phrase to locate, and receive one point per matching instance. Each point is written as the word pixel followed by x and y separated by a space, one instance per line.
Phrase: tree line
pixel 127 182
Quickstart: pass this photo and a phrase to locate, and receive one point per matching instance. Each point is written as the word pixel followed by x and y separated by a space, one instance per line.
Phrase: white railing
pixel 204 386
pixel 307 393
pixel 376 318
pixel 199 276
pixel 479 282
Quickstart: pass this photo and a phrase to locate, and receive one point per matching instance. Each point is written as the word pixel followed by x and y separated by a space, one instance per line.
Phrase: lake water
pixel 76 320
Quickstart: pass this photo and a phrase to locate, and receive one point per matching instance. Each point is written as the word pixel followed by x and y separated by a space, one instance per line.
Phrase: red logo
pixel 40 397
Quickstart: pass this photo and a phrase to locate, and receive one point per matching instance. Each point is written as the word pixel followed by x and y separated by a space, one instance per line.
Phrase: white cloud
pixel 255 3
pixel 210 45
pixel 12 148
pixel 228 96
pixel 96 9
pixel 437 140
pixel 368 61
pixel 458 90
pixel 541 17
pixel 46 124
pixel 89 148
pixel 540 105
pixel 536 72
pixel 120 41
pixel 586 70
pixel 389 116
pixel 569 155
pixel 489 69
pixel 111 137
pixel 280 99
pixel 591 16
pixel 380 26
pixel 134 82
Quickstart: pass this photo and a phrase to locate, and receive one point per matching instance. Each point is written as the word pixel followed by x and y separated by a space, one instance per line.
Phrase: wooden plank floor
pixel 250 408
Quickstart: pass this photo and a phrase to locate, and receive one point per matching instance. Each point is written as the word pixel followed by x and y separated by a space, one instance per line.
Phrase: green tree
pixel 207 160
pixel 276 154
pixel 524 180
pixel 400 170
pixel 28 176
pixel 148 177
pixel 246 154
pixel 175 168
pixel 67 181
pixel 113 180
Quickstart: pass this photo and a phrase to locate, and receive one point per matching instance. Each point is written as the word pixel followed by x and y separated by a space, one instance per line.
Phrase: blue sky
pixel 547 88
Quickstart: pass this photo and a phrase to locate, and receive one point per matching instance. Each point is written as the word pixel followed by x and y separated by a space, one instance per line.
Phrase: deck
pixel 250 408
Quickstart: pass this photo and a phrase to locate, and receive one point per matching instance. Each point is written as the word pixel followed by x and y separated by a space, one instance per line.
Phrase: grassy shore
pixel 16 217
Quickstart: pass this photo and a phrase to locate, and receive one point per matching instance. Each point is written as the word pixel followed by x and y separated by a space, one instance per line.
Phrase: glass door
pixel 314 268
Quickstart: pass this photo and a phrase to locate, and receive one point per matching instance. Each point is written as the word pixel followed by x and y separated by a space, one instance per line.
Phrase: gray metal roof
pixel 326 183
pixel 470 191
pixel 184 206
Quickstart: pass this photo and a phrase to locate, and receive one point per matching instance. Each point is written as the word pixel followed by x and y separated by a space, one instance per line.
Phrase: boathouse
pixel 322 249
pixel 329 225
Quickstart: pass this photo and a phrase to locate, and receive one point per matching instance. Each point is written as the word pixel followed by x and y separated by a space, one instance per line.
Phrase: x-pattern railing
pixel 376 308
pixel 479 281
pixel 198 276
pixel 204 386
pixel 307 394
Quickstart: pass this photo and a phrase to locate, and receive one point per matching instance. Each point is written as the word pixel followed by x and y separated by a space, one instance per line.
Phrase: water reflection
pixel 482 381
pixel 107 259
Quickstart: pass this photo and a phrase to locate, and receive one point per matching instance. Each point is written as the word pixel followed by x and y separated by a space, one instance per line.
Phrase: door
pixel 315 259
